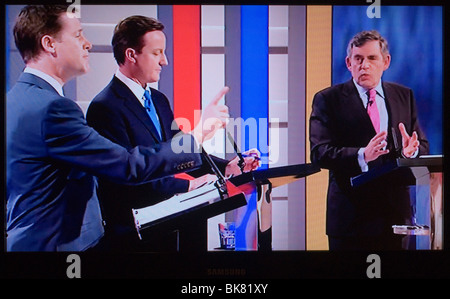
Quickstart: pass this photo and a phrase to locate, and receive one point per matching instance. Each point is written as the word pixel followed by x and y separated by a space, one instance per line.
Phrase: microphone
pixel 397 149
pixel 220 183
pixel 241 162
pixel 369 101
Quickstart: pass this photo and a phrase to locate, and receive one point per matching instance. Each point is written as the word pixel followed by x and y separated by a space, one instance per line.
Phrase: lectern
pixel 424 174
pixel 187 213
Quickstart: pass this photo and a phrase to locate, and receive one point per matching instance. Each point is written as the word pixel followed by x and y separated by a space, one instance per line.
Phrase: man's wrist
pixel 361 161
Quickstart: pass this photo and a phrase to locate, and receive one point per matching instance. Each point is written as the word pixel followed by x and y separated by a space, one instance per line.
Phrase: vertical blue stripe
pixel 254 104
pixel 254 74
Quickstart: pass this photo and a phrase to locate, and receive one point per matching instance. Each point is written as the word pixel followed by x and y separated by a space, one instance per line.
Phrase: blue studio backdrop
pixel 415 37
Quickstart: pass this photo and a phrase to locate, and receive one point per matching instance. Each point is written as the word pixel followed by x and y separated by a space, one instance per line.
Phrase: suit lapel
pixel 133 104
pixel 353 104
pixel 393 118
pixel 390 104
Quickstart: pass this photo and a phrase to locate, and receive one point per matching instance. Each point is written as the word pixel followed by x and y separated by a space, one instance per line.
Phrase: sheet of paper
pixel 175 204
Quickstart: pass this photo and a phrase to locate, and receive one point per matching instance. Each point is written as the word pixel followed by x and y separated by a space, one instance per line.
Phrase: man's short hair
pixel 33 22
pixel 363 37
pixel 129 33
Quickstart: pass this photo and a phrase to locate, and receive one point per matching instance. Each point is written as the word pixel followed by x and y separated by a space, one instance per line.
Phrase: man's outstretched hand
pixel 410 144
pixel 376 147
pixel 214 117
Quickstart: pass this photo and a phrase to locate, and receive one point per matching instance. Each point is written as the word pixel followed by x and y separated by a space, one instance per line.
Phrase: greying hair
pixel 363 37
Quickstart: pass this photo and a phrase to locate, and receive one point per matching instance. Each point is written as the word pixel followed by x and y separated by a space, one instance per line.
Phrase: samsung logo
pixel 226 272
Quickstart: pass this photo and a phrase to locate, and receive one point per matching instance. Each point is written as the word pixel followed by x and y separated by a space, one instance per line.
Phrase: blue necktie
pixel 151 111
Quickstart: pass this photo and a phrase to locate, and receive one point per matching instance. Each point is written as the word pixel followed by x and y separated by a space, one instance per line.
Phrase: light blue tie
pixel 151 111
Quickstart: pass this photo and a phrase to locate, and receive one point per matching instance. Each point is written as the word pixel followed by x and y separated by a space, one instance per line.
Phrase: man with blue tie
pixel 358 125
pixel 130 113
pixel 52 155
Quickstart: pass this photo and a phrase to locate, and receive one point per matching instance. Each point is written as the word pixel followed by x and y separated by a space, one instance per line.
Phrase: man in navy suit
pixel 119 113
pixel 344 140
pixel 53 155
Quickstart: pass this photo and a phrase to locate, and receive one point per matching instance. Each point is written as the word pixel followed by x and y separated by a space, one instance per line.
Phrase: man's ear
pixel 387 62
pixel 48 44
pixel 130 55
pixel 348 63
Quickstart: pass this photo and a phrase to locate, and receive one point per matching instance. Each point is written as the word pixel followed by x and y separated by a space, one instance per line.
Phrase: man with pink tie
pixel 358 125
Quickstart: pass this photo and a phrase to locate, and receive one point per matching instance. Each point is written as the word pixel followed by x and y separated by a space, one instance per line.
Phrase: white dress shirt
pixel 135 87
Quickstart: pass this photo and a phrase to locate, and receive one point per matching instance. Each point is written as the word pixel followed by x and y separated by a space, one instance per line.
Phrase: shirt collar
pixel 362 91
pixel 49 79
pixel 135 88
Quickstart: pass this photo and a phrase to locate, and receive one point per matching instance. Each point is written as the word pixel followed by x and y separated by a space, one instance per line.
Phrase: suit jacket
pixel 52 156
pixel 116 114
pixel 339 127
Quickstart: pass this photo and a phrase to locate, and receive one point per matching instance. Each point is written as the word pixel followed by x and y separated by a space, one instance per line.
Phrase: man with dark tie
pixel 358 125
pixel 130 113
pixel 52 155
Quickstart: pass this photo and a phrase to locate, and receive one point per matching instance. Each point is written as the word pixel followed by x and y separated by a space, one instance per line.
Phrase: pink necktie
pixel 372 110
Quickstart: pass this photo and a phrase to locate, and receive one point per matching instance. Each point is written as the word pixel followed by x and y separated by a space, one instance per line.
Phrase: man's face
pixel 367 64
pixel 72 48
pixel 152 57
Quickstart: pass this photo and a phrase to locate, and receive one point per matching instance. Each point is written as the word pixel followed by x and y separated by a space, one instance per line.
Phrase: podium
pixel 187 213
pixel 424 174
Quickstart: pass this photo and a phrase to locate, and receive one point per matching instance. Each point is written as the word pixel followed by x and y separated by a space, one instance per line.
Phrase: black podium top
pixel 278 176
pixel 401 170
pixel 206 201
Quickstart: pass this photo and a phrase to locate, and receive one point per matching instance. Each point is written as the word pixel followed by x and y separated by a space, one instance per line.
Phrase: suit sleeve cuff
pixel 362 163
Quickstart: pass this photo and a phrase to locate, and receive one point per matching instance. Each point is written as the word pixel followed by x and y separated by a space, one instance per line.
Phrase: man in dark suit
pixel 52 155
pixel 345 141
pixel 120 113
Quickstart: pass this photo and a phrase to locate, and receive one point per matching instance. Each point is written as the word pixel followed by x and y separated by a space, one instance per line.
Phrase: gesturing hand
pixel 252 161
pixel 214 116
pixel 375 147
pixel 410 144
